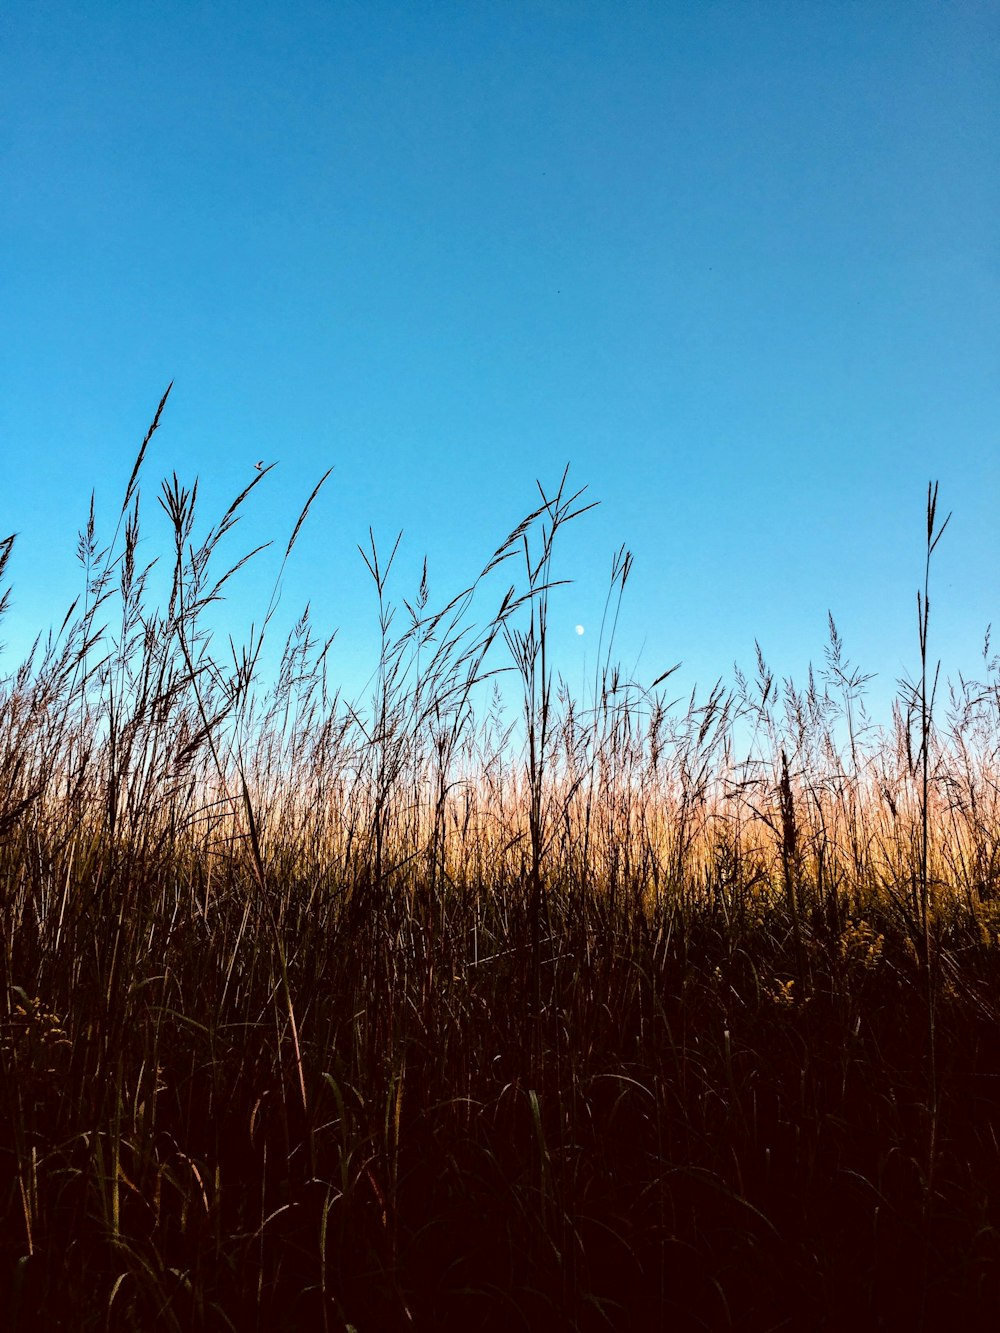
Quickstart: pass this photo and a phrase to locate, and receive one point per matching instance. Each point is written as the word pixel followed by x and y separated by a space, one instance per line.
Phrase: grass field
pixel 449 1015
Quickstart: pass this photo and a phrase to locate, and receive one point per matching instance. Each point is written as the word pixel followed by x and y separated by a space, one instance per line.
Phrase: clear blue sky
pixel 737 264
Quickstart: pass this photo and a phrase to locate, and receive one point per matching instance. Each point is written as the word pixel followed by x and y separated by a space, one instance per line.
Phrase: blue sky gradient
pixel 735 263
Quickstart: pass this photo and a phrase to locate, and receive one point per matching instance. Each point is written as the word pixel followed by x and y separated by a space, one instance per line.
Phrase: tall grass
pixel 422 1014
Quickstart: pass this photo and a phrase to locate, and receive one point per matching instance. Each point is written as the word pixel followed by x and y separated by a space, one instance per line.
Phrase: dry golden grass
pixel 316 1019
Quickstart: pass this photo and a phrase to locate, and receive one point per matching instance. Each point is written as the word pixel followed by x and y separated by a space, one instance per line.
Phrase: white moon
pixel 579 629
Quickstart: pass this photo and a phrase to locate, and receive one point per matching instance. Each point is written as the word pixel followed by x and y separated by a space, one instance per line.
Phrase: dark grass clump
pixel 315 1016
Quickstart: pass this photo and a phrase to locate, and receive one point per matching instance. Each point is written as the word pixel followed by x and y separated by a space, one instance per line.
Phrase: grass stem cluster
pixel 446 1012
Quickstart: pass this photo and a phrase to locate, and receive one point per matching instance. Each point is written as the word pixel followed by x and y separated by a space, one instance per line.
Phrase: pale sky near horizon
pixel 736 264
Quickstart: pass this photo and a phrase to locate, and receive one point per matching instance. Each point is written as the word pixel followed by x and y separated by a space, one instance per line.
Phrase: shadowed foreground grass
pixel 622 1018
